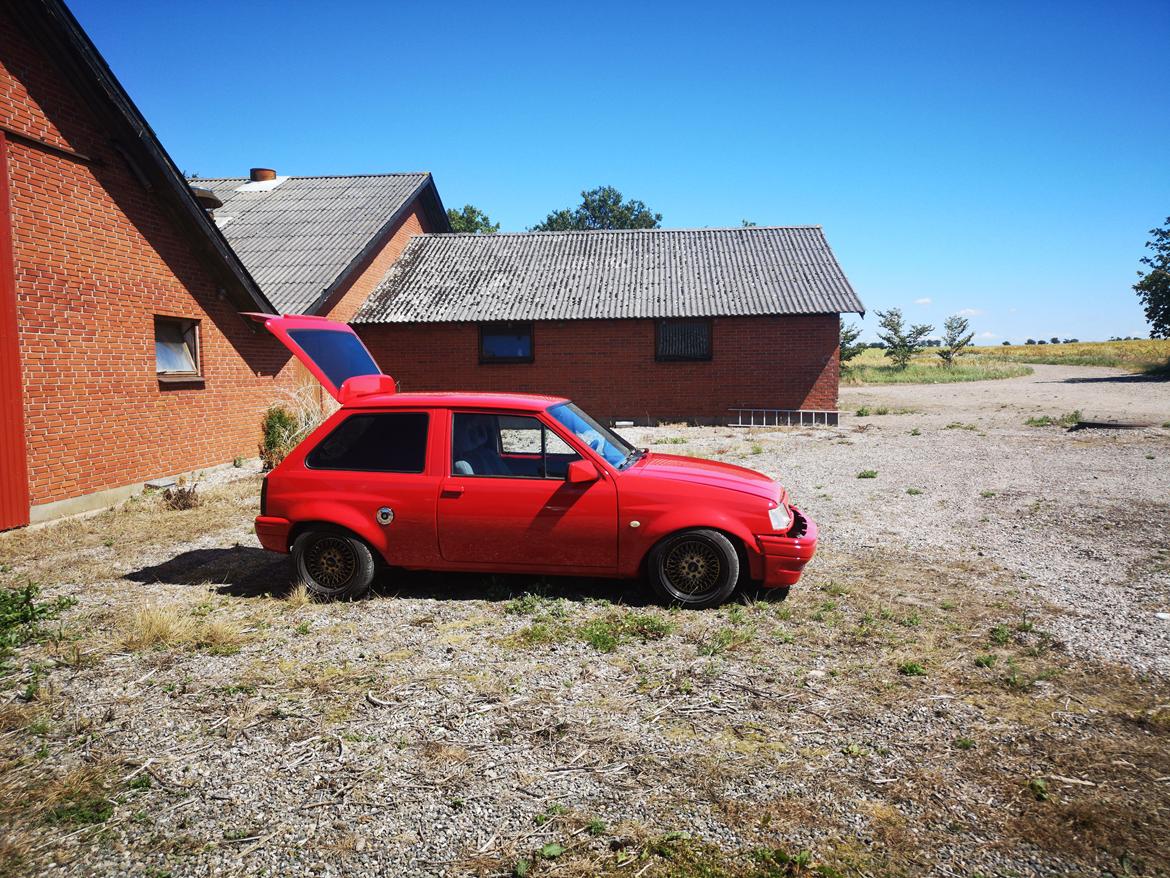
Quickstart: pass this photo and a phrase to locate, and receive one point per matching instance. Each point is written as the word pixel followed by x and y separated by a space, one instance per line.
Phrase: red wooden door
pixel 13 460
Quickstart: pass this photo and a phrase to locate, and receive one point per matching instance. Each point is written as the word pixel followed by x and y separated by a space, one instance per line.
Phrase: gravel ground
pixel 970 679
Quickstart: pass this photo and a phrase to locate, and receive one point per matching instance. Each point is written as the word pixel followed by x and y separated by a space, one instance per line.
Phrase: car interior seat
pixel 475 446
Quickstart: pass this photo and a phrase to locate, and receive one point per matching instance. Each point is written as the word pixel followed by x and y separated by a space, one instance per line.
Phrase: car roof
pixel 529 402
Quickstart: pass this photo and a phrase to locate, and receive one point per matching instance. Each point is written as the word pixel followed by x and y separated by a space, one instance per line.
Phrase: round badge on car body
pixel 385 515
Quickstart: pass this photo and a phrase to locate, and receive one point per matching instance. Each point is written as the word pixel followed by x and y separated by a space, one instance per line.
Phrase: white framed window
pixel 176 349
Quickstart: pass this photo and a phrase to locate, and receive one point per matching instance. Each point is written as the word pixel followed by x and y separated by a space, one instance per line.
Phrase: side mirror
pixel 581 472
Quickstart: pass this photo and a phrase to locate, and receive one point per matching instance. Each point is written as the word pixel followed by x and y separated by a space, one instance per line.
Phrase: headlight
pixel 781 518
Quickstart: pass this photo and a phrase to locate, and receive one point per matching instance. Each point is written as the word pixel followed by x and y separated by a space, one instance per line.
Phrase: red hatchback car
pixel 508 483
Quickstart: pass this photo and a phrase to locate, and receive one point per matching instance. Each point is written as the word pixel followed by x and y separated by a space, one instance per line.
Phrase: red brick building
pixel 124 352
pixel 647 325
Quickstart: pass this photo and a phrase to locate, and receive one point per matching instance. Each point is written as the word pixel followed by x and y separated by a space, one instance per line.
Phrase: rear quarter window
pixel 380 442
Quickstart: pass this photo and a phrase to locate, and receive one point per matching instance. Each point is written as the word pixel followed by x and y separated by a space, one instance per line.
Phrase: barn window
pixel 505 343
pixel 683 340
pixel 176 348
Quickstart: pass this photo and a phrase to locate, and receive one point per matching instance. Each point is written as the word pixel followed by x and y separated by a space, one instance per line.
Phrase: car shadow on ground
pixel 1134 378
pixel 246 571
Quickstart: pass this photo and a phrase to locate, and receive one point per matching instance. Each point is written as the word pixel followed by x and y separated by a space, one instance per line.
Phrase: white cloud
pixel 988 335
pixel 970 312
pixel 923 301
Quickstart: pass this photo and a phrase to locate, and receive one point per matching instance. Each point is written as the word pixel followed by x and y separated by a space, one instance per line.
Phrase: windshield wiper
pixel 635 454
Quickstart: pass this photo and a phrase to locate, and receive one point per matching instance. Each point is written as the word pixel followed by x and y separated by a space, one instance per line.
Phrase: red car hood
pixel 709 472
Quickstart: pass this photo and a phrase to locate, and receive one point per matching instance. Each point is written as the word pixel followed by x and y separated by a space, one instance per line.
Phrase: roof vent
pixel 261 175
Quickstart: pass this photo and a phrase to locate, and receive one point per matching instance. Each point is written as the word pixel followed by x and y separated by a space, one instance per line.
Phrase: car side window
pixel 507 446
pixel 380 442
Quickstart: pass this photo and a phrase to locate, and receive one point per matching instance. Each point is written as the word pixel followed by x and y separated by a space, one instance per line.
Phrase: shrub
pixel 179 498
pixel 287 422
pixel 867 474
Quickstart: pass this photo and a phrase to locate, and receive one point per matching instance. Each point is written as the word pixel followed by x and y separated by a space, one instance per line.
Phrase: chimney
pixel 261 175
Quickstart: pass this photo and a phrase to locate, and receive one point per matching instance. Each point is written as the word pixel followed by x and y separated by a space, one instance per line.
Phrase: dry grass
pixel 98 548
pixel 1137 356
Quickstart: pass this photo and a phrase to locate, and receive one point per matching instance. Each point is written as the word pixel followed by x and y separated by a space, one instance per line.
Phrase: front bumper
pixel 785 555
pixel 273 532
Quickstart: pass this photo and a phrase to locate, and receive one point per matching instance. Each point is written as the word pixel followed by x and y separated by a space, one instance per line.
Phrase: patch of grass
pixel 913 492
pixel 871 367
pixel 302 628
pixel 725 639
pixel 915 432
pixel 959 425
pixel 867 474
pixel 298 596
pixel 673 440
pixel 911 669
pixel 757 449
pixel 1068 419
pixel 863 412
pixel 153 625
pixel 22 617
pixel 1000 635
pixel 179 498
pixel 986 494
pixel 965 743
pixel 985 661
pixel 1038 787
pixel 605 633
pixel 535 634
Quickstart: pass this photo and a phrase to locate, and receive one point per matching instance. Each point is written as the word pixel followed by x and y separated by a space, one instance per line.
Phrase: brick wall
pixel 608 366
pixel 96 258
pixel 345 302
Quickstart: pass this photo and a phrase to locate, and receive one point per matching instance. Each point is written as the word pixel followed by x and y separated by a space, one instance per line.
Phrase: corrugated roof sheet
pixel 619 274
pixel 297 238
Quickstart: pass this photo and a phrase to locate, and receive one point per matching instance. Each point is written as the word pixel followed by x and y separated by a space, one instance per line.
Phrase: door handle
pixel 453 491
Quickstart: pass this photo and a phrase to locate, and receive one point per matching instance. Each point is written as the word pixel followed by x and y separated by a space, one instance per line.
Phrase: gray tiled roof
pixel 299 237
pixel 599 275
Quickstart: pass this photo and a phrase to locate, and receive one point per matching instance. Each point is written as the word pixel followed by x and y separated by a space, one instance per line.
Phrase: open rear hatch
pixel 332 352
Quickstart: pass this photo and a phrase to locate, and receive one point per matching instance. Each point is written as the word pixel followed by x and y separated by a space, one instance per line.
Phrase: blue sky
pixel 1002 159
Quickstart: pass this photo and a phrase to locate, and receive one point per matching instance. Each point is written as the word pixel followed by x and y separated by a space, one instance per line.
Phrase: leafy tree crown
pixel 601 208
pixel 471 219
pixel 1153 286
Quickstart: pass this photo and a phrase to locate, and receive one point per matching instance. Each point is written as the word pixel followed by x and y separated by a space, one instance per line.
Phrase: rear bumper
pixel 785 556
pixel 273 532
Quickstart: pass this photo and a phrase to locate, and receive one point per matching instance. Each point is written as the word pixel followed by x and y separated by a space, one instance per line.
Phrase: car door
pixel 505 500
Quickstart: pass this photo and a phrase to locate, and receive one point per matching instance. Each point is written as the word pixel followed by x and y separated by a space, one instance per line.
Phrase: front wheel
pixel 694 568
pixel 333 564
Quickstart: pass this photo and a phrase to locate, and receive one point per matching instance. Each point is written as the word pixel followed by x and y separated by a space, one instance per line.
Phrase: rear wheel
pixel 333 564
pixel 694 568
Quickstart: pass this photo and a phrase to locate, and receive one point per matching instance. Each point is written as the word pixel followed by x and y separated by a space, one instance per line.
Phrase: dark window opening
pixel 340 355
pixel 176 348
pixel 683 340
pixel 385 442
pixel 505 343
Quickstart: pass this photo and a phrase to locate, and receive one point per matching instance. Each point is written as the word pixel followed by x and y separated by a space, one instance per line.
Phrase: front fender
pixel 635 543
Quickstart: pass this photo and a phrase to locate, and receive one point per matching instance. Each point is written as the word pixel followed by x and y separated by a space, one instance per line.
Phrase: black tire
pixel 694 568
pixel 333 564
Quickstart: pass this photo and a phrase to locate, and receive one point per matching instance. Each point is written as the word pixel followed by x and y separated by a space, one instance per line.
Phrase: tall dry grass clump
pixel 291 419
pixel 153 625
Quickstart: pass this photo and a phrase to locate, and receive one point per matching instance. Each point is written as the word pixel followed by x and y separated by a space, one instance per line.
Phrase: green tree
pixel 601 208
pixel 471 219
pixel 1153 288
pixel 850 346
pixel 901 343
pixel 748 224
pixel 955 339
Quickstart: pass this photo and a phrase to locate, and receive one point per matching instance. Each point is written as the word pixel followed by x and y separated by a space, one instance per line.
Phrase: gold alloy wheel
pixel 331 562
pixel 692 568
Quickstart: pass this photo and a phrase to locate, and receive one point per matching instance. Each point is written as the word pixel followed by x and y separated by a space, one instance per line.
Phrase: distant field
pixel 1009 361
pixel 1146 355
pixel 873 367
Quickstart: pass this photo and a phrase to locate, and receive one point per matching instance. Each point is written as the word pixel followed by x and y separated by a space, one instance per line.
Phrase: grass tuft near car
pixel 508 483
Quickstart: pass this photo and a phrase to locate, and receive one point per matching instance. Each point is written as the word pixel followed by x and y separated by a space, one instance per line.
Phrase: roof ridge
pixel 324 176
pixel 534 233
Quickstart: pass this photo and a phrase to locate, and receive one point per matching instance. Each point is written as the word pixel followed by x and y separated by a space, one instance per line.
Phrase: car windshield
pixel 604 441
